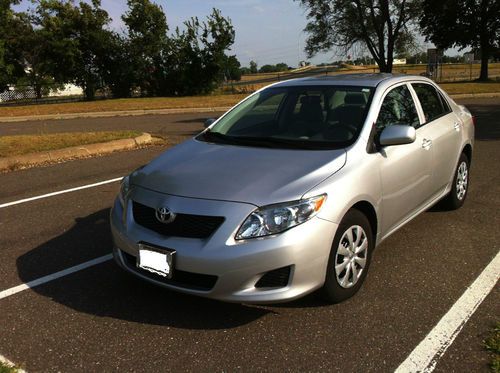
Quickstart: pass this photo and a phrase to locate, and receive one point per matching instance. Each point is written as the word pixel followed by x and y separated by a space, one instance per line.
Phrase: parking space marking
pixel 60 192
pixel 54 276
pixel 426 355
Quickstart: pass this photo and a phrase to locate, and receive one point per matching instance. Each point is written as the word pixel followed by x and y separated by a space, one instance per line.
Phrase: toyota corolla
pixel 291 190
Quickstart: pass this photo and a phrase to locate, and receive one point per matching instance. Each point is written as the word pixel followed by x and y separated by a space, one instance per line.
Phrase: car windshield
pixel 302 117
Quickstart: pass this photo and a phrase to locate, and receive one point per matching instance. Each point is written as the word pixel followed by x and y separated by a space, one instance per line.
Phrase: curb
pixel 105 114
pixel 73 152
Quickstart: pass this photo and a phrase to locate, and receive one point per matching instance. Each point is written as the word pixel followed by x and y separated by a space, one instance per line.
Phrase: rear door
pixel 405 170
pixel 444 132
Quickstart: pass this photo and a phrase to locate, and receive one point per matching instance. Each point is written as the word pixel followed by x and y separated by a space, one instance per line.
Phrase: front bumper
pixel 235 266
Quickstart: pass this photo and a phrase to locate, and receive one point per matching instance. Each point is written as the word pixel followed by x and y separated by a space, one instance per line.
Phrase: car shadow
pixel 105 290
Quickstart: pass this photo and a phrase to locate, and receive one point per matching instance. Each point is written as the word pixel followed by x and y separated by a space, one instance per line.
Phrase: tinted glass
pixel 444 102
pixel 429 100
pixel 398 107
pixel 302 116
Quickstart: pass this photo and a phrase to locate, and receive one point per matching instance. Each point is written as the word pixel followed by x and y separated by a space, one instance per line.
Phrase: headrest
pixel 310 100
pixel 355 98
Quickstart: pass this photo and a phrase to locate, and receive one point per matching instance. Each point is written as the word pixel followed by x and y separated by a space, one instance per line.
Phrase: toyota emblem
pixel 164 215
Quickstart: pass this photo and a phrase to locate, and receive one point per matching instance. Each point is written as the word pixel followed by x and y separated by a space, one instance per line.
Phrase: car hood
pixel 259 176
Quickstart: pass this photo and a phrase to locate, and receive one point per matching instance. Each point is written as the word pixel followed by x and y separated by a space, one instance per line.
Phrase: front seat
pixel 309 120
pixel 351 113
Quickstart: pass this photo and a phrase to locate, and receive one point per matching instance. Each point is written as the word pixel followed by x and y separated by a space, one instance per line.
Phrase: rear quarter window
pixel 431 101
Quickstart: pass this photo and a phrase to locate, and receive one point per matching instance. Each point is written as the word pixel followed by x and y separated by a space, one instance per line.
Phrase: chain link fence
pixel 25 94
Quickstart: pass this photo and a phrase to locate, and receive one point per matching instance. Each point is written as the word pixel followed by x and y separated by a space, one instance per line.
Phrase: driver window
pixel 397 108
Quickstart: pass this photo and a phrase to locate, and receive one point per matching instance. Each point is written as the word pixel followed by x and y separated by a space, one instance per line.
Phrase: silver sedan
pixel 291 190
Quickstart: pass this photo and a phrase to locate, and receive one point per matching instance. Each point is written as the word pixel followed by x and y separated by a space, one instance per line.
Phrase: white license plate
pixel 156 261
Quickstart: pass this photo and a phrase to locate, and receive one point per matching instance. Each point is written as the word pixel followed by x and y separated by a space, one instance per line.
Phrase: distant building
pixel 68 90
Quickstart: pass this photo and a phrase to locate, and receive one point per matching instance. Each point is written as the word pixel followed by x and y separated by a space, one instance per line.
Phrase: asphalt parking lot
pixel 99 318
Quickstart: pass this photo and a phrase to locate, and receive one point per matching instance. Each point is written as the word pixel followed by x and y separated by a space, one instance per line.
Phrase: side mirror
pixel 209 122
pixel 397 134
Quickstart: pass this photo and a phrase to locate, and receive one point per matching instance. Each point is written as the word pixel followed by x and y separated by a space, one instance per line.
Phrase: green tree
pixel 119 73
pixel 74 42
pixel 195 57
pixel 245 70
pixel 232 68
pixel 147 40
pixel 267 69
pixel 253 67
pixel 383 26
pixel 11 64
pixel 274 68
pixel 281 67
pixel 31 45
pixel 463 23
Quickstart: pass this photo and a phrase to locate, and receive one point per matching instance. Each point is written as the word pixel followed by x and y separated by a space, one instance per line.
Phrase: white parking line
pixel 426 355
pixel 54 276
pixel 60 192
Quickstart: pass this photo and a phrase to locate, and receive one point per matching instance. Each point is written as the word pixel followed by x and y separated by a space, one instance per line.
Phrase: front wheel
pixel 460 185
pixel 349 257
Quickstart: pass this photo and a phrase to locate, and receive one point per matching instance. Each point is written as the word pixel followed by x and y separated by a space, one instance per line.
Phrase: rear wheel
pixel 349 257
pixel 460 186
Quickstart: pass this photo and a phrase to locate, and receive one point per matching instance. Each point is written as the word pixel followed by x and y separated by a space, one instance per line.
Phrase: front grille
pixel 184 225
pixel 189 280
pixel 277 278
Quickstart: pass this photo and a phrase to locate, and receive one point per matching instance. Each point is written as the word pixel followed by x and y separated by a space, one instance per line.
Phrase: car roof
pixel 365 80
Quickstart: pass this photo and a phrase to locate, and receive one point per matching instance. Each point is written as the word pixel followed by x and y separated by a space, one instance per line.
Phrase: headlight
pixel 274 219
pixel 124 189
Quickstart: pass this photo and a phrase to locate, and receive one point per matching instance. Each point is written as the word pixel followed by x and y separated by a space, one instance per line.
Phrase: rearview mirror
pixel 209 122
pixel 397 134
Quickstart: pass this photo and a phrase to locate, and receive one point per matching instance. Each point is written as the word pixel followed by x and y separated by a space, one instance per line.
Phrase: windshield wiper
pixel 268 142
pixel 279 142
pixel 250 140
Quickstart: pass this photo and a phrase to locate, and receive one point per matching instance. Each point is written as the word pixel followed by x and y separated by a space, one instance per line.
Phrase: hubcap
pixel 462 180
pixel 350 260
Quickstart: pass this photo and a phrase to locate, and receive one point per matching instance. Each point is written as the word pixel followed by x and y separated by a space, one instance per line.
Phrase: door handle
pixel 426 144
pixel 456 126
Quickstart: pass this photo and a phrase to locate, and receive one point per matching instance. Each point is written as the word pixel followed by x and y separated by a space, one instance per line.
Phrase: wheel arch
pixel 371 214
pixel 467 150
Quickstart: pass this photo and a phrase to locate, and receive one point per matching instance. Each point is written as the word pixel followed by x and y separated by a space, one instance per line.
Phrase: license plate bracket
pixel 157 260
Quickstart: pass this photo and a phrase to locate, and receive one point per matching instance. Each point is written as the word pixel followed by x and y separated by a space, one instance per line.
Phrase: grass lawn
pixel 492 344
pixel 148 103
pixel 24 144
pixel 471 87
pixel 4 368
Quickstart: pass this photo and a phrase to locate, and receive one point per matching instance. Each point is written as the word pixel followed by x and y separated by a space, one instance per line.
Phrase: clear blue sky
pixel 267 31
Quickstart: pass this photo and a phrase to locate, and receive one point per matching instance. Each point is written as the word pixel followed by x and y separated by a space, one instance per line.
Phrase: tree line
pixel 389 27
pixel 60 42
pixel 64 41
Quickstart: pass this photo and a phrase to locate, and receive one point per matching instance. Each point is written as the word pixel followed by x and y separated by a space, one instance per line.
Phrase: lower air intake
pixel 277 278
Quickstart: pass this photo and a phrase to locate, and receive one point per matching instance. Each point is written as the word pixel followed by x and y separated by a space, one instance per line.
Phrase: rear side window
pixel 397 108
pixel 430 101
pixel 445 103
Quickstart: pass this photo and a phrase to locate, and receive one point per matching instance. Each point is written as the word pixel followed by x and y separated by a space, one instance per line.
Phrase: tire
pixel 342 285
pixel 460 185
